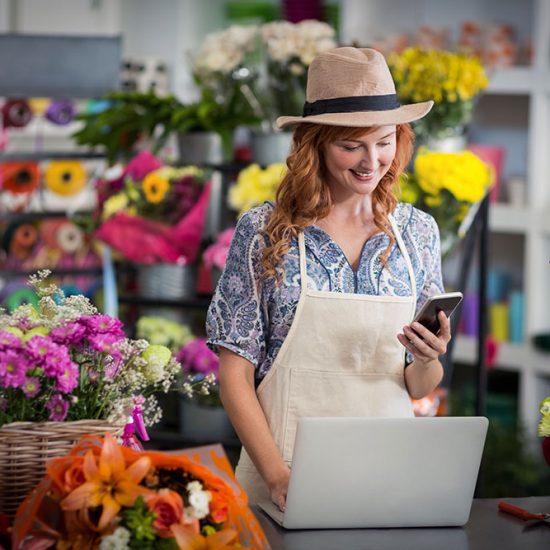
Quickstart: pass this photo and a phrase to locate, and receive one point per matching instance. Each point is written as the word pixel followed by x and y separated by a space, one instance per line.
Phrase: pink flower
pixel 216 254
pixel 31 386
pixel 141 165
pixel 58 408
pixel 13 366
pixel 69 333
pixel 9 340
pixel 67 379
pixel 103 324
pixel 196 358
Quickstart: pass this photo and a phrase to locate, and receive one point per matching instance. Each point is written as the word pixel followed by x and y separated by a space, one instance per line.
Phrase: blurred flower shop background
pixel 127 184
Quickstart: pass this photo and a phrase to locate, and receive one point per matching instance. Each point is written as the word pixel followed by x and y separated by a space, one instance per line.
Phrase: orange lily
pixel 189 540
pixel 108 484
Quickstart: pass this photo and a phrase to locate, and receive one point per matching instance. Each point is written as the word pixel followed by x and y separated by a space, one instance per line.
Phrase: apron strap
pixel 303 265
pixel 405 253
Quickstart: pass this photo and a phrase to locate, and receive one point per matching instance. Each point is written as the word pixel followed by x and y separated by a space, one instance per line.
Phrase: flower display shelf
pixel 25 447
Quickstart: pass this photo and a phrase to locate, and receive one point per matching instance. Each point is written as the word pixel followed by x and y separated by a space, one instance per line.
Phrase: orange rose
pixel 168 507
pixel 218 508
pixel 67 474
pixel 74 475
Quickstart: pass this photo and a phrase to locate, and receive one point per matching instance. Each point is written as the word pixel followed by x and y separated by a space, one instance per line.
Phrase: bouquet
pixel 152 213
pixel 200 365
pixel 446 185
pixel 63 360
pixel 451 80
pixel 255 185
pixel 288 50
pixel 105 496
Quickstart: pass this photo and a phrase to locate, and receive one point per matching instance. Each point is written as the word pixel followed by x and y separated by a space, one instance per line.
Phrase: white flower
pixel 198 501
pixel 118 540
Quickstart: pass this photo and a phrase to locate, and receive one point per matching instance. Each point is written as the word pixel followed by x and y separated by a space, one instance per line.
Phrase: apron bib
pixel 340 358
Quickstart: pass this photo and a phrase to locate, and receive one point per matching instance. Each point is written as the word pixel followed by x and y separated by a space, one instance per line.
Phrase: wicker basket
pixel 25 448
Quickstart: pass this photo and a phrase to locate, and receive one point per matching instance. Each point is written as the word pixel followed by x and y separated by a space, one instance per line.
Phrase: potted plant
pixel 447 186
pixel 544 428
pixel 130 117
pixel 451 80
pixel 202 417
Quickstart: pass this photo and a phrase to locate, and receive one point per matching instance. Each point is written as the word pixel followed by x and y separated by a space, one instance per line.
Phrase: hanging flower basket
pixel 25 447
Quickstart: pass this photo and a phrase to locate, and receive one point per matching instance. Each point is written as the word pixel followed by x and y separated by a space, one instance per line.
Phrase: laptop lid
pixel 384 472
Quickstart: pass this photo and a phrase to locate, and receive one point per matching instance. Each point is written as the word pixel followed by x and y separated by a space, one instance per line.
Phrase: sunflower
pixel 65 177
pixel 19 177
pixel 155 187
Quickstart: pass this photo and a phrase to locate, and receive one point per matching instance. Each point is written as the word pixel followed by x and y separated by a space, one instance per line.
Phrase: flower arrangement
pixel 150 212
pixel 446 185
pixel 215 255
pixel 288 50
pixel 451 80
pixel 63 360
pixel 200 364
pixel 255 185
pixel 105 496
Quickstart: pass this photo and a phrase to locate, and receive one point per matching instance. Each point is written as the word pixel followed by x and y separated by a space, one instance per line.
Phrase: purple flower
pixel 69 333
pixel 31 386
pixel 39 348
pixel 9 340
pixel 196 358
pixel 13 367
pixel 58 408
pixel 48 355
pixel 103 324
pixel 105 343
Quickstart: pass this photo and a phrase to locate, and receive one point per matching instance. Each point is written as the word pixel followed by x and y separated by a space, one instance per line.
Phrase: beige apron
pixel 341 357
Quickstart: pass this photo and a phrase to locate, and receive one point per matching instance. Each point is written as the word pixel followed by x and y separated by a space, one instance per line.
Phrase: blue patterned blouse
pixel 254 323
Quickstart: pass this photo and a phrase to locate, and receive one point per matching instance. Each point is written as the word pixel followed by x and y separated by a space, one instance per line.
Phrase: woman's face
pixel 356 166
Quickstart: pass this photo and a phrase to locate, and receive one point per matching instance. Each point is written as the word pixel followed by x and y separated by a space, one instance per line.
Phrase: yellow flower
pixel 254 186
pixel 65 177
pixel 155 187
pixel 114 204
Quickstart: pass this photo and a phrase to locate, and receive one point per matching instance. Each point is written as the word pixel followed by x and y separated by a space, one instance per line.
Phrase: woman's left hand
pixel 424 345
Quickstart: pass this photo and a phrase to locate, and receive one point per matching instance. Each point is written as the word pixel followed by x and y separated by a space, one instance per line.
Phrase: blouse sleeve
pixel 236 317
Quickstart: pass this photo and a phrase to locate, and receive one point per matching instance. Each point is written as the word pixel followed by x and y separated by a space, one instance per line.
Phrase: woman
pixel 311 315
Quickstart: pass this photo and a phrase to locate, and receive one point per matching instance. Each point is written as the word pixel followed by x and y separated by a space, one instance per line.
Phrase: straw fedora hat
pixel 353 87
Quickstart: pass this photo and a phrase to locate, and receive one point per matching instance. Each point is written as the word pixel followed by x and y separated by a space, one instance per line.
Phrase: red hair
pixel 303 196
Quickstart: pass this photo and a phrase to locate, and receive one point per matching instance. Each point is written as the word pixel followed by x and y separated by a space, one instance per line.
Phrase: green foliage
pixel 139 521
pixel 130 117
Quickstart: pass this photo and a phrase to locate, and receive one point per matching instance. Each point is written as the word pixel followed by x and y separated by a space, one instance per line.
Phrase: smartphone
pixel 427 315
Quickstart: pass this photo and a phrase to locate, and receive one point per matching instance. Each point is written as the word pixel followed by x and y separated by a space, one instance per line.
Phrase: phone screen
pixel 427 316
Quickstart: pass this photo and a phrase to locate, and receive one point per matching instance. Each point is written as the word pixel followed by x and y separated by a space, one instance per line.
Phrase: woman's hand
pixel 279 488
pixel 424 345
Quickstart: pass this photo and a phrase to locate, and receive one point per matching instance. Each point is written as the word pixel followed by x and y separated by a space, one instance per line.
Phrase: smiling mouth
pixel 362 174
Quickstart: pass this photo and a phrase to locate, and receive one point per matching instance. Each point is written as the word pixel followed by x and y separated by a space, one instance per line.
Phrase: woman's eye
pixel 384 143
pixel 350 147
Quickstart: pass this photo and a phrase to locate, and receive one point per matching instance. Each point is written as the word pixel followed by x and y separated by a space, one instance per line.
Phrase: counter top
pixel 487 528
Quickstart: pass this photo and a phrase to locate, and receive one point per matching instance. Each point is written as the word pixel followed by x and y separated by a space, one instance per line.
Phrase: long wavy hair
pixel 303 197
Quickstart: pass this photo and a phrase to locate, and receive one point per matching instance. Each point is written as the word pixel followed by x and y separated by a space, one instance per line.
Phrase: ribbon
pixel 353 104
pixel 128 436
pixel 137 414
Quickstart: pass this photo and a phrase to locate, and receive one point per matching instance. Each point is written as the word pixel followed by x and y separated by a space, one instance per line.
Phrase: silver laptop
pixel 382 472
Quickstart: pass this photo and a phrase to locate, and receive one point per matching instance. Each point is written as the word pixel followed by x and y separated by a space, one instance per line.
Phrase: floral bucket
pixel 270 147
pixel 204 424
pixel 169 281
pixel 25 447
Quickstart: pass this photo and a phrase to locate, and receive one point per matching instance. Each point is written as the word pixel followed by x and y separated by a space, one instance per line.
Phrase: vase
pixel 202 148
pixel 204 424
pixel 453 143
pixel 270 147
pixel 25 447
pixel 167 282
